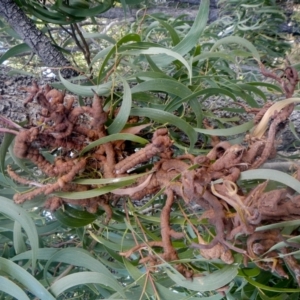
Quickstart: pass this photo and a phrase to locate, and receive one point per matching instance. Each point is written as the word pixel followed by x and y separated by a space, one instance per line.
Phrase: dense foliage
pixel 162 74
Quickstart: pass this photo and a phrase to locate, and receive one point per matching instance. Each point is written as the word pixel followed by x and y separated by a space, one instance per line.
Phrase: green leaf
pixel 164 117
pixel 9 287
pixel 174 88
pixel 271 288
pixel 15 51
pixel 159 50
pixel 217 55
pixel 191 38
pixel 150 75
pixel 114 137
pixel 227 131
pixel 283 296
pixel 42 254
pixel 211 282
pixel 163 292
pixel 19 274
pixel 284 224
pixel 269 86
pixel 81 258
pixel 19 243
pixel 152 65
pixel 169 86
pixel 109 180
pixel 7 140
pixel 19 214
pixel 101 54
pixel 74 12
pixel 240 41
pixel 64 218
pixel 93 192
pixel 101 89
pixel 171 31
pixel 275 175
pixel 98 35
pixel 132 37
pixel 134 272
pixel 253 89
pixel 69 281
pixel 244 272
pixel 107 243
pixel 121 119
pixel 48 16
pixel 79 213
pixel 173 105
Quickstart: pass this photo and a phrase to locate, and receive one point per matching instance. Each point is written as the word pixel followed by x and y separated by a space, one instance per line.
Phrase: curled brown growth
pixel 233 214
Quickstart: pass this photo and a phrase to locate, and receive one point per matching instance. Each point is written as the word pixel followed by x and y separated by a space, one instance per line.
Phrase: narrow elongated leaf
pixel 78 213
pixel 64 218
pixel 109 180
pixel 203 56
pixel 17 213
pixel 74 12
pixel 237 40
pixel 94 192
pixel 279 225
pixel 54 17
pixel 19 243
pixel 101 89
pixel 163 292
pixel 108 244
pixel 271 288
pixel 81 258
pixel 132 37
pixel 101 54
pixel 8 138
pixel 15 51
pixel 152 65
pixel 19 274
pixel 98 35
pixel 114 137
pixel 209 282
pixel 150 75
pixel 119 122
pixel 173 105
pixel 139 45
pixel 269 86
pixel 253 89
pixel 42 254
pixel 191 38
pixel 171 31
pixel 227 131
pixel 165 117
pixel 134 272
pixel 69 281
pixel 9 287
pixel 159 50
pixel 269 174
pixel 172 87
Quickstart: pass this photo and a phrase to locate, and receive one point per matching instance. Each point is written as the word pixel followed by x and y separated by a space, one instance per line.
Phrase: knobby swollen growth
pixel 209 180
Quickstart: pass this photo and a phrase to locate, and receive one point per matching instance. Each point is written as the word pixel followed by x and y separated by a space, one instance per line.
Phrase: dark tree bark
pixel 33 37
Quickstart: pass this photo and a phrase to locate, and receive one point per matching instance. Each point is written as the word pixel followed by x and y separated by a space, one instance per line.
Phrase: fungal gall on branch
pixel 209 181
